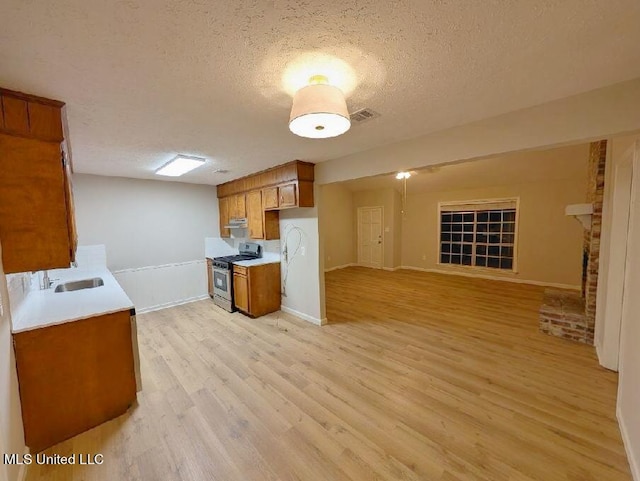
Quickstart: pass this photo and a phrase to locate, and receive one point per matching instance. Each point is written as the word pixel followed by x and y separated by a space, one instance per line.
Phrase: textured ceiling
pixel 561 163
pixel 145 80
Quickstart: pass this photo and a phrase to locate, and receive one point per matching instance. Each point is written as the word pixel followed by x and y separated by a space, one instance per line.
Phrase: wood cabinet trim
pixel 299 170
pixel 31 98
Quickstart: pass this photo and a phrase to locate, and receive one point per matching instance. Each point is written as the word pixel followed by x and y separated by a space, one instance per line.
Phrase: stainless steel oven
pixel 223 285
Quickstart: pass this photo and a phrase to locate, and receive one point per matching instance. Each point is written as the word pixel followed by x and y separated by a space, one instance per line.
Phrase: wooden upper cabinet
pixel 31 116
pixel 37 220
pixel 223 205
pixel 35 231
pixel 238 207
pixel 254 215
pixel 45 122
pixel 270 198
pixel 287 196
pixel 68 195
pixel 16 115
pixel 295 171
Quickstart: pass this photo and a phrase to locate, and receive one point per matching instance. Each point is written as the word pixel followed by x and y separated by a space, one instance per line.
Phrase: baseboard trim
pixel 343 266
pixel 633 463
pixel 161 266
pixel 166 305
pixel 494 278
pixel 303 316
pixel 355 264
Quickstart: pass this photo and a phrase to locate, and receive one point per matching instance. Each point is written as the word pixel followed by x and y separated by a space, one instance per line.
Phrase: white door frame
pixel 628 386
pixel 358 252
pixel 615 277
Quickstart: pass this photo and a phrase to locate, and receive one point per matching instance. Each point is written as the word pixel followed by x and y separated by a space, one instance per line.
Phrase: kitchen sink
pixel 82 284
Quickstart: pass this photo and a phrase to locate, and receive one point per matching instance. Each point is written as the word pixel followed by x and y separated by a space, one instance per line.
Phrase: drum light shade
pixel 319 111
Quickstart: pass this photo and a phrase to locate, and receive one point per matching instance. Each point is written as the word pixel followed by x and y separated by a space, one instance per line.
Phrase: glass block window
pixel 479 234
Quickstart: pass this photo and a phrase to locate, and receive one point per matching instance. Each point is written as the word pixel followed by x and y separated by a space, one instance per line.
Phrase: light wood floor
pixel 419 377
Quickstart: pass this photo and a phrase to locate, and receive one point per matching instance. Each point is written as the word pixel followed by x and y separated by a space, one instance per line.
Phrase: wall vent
pixel 220 171
pixel 363 115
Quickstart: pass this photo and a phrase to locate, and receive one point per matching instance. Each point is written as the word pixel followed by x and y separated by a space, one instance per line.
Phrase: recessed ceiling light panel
pixel 180 166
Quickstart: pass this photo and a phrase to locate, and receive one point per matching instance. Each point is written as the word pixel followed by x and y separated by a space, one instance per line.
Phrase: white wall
pixel 11 430
pixel 305 280
pixel 591 116
pixel 154 234
pixel 618 315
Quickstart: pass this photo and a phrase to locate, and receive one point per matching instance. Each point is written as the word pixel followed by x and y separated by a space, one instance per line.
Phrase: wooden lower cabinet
pixel 75 376
pixel 257 289
pixel 210 277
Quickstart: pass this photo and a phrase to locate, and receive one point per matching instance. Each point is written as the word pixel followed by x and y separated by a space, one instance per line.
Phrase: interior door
pixel 370 239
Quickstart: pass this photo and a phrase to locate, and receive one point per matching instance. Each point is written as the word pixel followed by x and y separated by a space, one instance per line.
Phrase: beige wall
pixel 590 116
pixel 388 199
pixel 11 431
pixel 549 243
pixel 337 224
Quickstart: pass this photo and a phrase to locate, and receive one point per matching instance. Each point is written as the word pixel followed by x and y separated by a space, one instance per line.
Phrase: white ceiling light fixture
pixel 319 110
pixel 403 175
pixel 180 166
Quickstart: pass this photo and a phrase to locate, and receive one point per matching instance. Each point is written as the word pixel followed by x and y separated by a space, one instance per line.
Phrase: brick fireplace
pixel 568 314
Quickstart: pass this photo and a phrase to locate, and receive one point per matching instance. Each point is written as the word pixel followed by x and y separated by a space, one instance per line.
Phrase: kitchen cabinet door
pixel 270 198
pixel 210 277
pixel 16 115
pixel 287 195
pixel 223 207
pixel 255 214
pixel 68 195
pixel 241 292
pixel 34 210
pixel 241 206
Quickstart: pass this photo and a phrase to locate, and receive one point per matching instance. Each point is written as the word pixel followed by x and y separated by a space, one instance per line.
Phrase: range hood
pixel 240 223
pixel 582 213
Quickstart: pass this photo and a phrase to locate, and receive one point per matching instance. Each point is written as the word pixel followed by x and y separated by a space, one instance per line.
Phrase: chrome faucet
pixel 46 281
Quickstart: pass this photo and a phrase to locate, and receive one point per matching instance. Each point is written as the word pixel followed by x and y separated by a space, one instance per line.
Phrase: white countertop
pixel 43 308
pixel 267 258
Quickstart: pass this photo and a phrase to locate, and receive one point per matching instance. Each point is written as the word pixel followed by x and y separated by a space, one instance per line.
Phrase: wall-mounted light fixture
pixel 403 176
pixel 319 110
